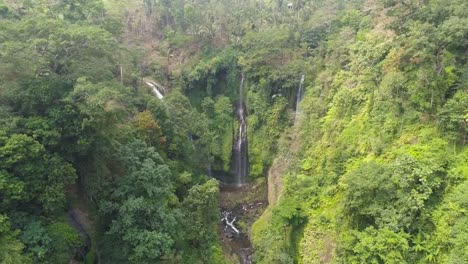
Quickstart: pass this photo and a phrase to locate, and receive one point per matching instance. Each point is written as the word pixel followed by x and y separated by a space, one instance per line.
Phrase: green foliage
pixel 199 214
pixel 220 116
pixel 37 240
pixel 80 10
pixel 448 243
pixel 393 195
pixel 453 117
pixel 10 247
pixel 143 219
pixel 149 128
pixel 147 216
pixel 356 19
pixel 368 183
pixel 36 176
pixel 68 111
pixel 65 239
pixel 54 47
pixel 264 48
pixel 364 183
pixel 206 75
pixel 289 212
pixel 455 221
pixel 376 246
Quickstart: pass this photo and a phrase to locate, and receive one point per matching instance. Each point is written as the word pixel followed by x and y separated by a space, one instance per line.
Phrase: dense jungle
pixel 233 131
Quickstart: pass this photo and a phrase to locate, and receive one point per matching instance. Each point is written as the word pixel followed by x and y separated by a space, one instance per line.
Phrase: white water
pixel 240 150
pixel 230 224
pixel 154 87
pixel 300 95
pixel 242 126
pixel 240 141
pixel 190 137
pixel 241 89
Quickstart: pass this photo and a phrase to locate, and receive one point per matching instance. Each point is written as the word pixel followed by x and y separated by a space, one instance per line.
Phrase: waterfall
pixel 195 157
pixel 154 87
pixel 209 169
pixel 300 95
pixel 241 89
pixel 192 141
pixel 240 160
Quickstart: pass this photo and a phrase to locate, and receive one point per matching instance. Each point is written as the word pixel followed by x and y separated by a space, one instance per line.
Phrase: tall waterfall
pixel 240 159
pixel 300 95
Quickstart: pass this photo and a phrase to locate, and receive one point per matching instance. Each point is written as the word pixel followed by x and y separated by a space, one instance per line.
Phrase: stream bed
pixel 240 207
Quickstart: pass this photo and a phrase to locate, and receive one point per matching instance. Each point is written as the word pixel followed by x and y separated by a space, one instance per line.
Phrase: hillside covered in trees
pixel 125 128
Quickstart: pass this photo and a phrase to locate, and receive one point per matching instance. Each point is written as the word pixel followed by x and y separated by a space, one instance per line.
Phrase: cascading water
pixel 154 87
pixel 300 95
pixel 209 169
pixel 194 147
pixel 240 159
pixel 232 201
pixel 192 141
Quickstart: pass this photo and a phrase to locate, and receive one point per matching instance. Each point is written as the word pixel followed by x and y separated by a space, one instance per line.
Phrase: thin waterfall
pixel 154 87
pixel 192 141
pixel 241 89
pixel 300 95
pixel 194 147
pixel 209 169
pixel 240 159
